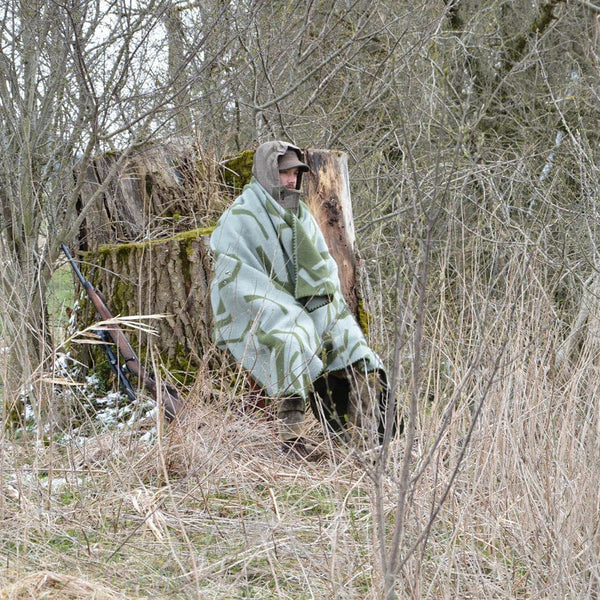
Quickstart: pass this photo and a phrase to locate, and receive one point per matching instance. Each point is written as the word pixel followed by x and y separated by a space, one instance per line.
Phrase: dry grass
pixel 213 509
pixel 46 584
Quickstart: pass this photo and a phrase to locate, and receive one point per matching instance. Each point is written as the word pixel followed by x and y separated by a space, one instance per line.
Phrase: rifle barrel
pixel 79 274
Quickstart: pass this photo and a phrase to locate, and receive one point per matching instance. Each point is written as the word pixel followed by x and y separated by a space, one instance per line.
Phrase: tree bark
pixel 327 195
pixel 170 278
pixel 156 191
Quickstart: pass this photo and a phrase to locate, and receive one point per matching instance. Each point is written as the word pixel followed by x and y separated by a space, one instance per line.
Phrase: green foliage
pixel 61 296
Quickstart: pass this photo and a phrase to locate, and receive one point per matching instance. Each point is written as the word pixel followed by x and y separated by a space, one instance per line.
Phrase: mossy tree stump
pixel 149 192
pixel 168 277
pixel 170 274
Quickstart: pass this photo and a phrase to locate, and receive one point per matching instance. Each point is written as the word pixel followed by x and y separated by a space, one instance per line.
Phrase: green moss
pixel 122 291
pixel 237 171
pixel 192 234
pixel 180 366
pixel 365 318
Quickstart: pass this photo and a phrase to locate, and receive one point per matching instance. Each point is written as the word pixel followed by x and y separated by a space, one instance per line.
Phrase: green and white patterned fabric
pixel 276 296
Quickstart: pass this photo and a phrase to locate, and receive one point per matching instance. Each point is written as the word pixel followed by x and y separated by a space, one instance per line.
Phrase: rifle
pixel 113 336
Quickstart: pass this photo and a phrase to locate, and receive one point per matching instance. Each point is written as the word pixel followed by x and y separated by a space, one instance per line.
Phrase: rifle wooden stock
pixel 163 394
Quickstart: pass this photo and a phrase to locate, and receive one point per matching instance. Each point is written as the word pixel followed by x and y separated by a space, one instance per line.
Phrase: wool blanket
pixel 277 299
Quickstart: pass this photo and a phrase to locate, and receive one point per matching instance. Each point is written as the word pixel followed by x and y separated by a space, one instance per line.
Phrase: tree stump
pixel 155 191
pixel 170 278
pixel 171 275
pixel 327 194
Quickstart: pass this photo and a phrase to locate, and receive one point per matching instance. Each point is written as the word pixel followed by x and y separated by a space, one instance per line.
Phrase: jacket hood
pixel 266 171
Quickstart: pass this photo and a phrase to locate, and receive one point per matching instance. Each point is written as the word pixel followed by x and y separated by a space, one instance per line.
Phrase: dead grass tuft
pixel 47 585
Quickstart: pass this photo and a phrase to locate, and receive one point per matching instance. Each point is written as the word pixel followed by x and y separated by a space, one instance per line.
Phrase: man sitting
pixel 279 308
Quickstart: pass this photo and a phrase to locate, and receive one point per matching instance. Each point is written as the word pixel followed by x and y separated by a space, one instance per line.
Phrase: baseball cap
pixel 290 160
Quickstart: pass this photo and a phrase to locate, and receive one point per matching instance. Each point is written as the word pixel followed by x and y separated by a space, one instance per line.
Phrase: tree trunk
pixel 153 192
pixel 170 278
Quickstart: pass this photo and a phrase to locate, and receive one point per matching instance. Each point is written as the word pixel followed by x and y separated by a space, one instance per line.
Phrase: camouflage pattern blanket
pixel 276 297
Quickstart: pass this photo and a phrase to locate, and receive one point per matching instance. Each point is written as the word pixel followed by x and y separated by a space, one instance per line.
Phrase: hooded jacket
pixel 266 171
